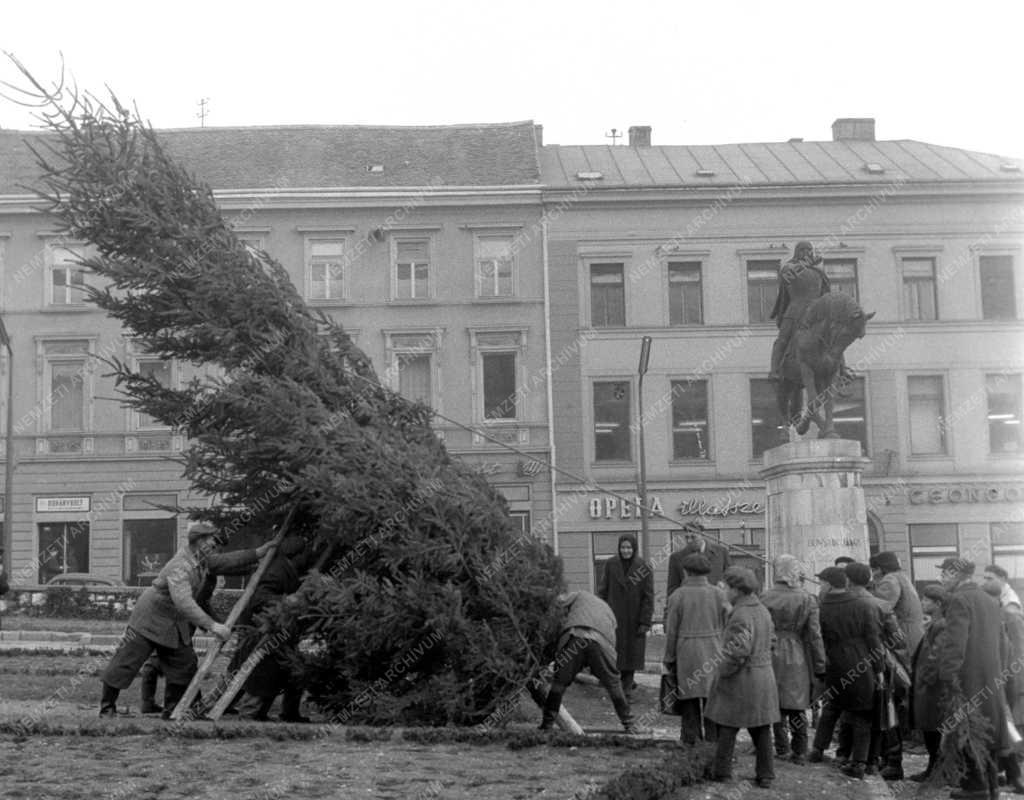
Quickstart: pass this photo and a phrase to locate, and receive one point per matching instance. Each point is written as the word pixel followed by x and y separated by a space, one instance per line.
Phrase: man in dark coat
pixel 801 282
pixel 744 693
pixel 627 585
pixel 165 615
pixel 971 659
pixel 696 542
pixel 586 639
pixel 852 632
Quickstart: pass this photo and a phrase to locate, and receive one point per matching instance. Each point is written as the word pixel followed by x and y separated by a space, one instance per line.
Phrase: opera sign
pixel 619 508
pixel 609 507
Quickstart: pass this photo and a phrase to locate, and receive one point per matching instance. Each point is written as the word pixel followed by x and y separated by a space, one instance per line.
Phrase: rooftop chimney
pixel 538 132
pixel 639 135
pixel 856 128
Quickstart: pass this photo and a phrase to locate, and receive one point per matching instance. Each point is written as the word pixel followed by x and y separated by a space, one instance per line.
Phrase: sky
pixel 697 72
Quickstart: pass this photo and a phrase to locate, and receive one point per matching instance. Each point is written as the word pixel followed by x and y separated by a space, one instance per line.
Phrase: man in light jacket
pixel 161 618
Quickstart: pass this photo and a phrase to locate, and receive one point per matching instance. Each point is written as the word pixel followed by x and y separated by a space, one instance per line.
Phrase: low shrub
pixel 684 767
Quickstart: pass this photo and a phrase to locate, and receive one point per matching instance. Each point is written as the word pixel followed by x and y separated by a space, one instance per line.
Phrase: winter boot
pixel 291 706
pixel 108 701
pixel 173 692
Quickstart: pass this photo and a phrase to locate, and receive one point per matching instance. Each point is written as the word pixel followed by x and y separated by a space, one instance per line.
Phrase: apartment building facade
pixel 683 244
pixel 417 240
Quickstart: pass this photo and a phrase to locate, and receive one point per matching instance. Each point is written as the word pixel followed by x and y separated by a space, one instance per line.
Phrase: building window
pixel 414 377
pixel 522 519
pixel 412 269
pixel 612 441
pixel 998 299
pixel 929 545
pixel 494 266
pixel 685 306
pixel 499 383
pixel 326 269
pixel 67 276
pixel 689 419
pixel 927 415
pixel 607 296
pixel 1004 413
pixel 842 276
pixel 746 545
pixel 764 416
pixel 160 371
pixel 150 532
pixel 63 548
pixel 849 413
pixel 919 292
pixel 762 288
pixel 605 544
pixel 66 369
pixel 1008 551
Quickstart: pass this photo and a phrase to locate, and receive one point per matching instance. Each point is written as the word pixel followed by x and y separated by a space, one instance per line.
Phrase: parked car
pixel 77 580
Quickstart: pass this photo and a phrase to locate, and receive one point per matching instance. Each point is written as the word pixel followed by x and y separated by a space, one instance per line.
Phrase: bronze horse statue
pixel 814 360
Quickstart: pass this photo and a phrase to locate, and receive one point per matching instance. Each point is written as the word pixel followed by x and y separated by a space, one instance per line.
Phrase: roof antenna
pixel 204 109
pixel 614 135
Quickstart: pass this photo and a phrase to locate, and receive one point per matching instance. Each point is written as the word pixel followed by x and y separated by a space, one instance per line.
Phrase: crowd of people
pixel 876 661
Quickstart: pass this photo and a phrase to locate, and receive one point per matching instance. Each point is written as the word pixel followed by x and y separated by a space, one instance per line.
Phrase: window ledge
pixel 75 309
pixel 691 462
pixel 429 301
pixel 611 464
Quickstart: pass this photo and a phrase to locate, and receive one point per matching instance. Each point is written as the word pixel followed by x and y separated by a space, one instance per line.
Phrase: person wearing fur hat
pixel 894 587
pixel 164 614
pixel 798 657
pixel 744 693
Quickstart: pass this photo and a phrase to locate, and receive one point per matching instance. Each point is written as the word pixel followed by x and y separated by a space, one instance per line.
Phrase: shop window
pixel 148 546
pixel 746 545
pixel 612 438
pixel 927 415
pixel 690 420
pixel 1008 551
pixel 63 548
pixel 1004 412
pixel 605 545
pixel 930 544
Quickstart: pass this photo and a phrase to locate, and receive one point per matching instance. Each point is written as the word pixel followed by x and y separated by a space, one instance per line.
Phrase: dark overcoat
pixel 851 629
pixel 974 652
pixel 1013 624
pixel 716 554
pixel 900 597
pixel 694 622
pixel 928 689
pixel 799 653
pixel 628 587
pixel 743 694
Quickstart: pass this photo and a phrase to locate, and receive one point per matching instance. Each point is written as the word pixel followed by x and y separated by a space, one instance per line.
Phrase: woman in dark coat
pixel 627 585
pixel 927 689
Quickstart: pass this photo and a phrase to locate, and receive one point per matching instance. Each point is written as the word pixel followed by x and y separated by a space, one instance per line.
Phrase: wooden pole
pixel 249 665
pixel 185 703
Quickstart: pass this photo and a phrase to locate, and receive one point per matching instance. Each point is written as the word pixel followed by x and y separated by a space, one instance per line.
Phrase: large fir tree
pixel 430 606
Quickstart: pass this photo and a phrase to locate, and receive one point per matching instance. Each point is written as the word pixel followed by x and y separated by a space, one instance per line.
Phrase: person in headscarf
pixel 627 585
pixel 799 654
pixel 586 639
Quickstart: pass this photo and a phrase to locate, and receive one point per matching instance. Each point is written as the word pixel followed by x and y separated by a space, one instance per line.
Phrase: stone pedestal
pixel 816 509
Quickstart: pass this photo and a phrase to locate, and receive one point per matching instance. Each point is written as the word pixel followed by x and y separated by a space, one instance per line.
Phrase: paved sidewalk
pixel 63 640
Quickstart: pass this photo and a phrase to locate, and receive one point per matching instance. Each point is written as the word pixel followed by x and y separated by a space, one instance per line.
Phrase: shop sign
pixel 61 505
pixel 689 508
pixel 619 508
pixel 1006 493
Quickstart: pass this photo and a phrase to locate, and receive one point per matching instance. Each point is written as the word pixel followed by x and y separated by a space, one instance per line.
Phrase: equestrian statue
pixel 815 328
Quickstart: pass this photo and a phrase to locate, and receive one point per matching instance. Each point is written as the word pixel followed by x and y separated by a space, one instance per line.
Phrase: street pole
pixel 9 454
pixel 645 358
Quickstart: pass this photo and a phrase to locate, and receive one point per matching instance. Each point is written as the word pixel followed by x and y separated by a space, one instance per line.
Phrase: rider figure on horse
pixel 801 282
